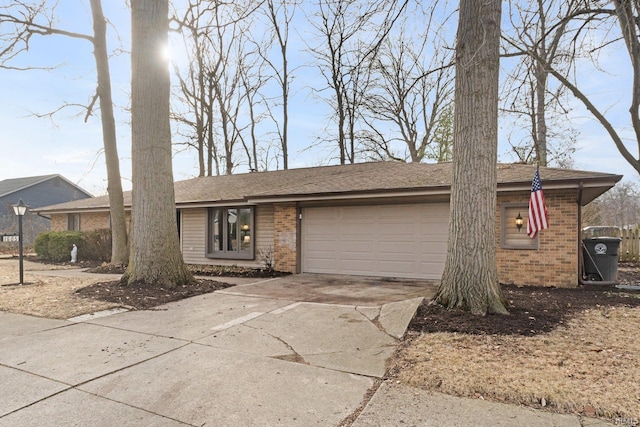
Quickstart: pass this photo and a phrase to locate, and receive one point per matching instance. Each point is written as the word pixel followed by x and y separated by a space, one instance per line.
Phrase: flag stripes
pixel 538 215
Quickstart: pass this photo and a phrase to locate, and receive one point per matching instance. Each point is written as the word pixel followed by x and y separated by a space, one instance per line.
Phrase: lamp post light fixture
pixel 519 222
pixel 20 209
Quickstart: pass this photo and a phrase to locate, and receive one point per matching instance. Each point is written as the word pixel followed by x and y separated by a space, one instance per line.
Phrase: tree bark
pixel 470 279
pixel 119 240
pixel 155 257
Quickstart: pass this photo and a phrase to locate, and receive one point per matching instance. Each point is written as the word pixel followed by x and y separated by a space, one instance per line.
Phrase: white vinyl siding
pixel 402 240
pixel 264 229
pixel 194 239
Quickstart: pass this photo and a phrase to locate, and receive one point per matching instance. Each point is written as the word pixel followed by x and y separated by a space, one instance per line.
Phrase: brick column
pixel 285 224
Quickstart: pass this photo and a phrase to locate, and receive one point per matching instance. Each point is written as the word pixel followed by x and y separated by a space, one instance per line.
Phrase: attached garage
pixel 385 219
pixel 391 240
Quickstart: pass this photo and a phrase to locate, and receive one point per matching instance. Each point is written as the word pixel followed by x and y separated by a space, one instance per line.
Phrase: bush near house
pixel 56 246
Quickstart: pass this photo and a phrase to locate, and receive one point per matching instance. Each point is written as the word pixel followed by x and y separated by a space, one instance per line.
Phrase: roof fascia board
pixel 213 204
pixel 72 210
pixel 346 196
pixel 563 184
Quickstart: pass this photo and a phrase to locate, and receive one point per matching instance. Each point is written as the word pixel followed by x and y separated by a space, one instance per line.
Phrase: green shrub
pixel 61 243
pixel 56 245
pixel 41 245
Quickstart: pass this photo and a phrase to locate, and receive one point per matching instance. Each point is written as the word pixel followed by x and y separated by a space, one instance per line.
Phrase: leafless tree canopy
pixel 20 21
pixel 383 68
pixel 539 108
pixel 592 27
pixel 618 207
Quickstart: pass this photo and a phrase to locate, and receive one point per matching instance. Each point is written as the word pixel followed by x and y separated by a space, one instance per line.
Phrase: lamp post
pixel 20 209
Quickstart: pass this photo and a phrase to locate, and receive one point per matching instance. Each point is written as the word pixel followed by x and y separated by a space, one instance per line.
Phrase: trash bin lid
pixel 603 239
pixel 601 231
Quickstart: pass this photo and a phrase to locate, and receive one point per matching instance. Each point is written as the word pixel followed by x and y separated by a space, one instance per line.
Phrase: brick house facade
pixel 368 203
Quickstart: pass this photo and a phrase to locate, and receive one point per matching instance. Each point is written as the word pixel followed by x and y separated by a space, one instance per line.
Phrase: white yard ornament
pixel 74 253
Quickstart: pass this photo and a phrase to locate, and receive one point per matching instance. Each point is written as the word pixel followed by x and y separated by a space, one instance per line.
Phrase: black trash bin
pixel 601 258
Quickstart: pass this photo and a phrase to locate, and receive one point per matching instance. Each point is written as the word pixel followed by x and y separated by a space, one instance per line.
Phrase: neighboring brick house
pixel 379 219
pixel 35 192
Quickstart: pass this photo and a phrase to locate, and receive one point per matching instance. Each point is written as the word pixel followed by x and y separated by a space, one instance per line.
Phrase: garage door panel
pixel 355 265
pixel 387 240
pixel 356 247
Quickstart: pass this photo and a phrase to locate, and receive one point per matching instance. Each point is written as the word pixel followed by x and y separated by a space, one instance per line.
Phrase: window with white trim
pixel 230 232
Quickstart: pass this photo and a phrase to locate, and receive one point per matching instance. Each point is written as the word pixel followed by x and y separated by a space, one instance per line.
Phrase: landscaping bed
pixel 566 350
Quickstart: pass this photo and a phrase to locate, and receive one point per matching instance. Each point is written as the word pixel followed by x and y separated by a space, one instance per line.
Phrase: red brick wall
pixel 285 237
pixel 555 262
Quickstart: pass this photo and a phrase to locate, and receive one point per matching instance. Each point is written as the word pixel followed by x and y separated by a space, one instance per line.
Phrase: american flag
pixel 538 216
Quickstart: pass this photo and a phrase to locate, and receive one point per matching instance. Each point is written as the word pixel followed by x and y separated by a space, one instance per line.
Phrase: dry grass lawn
pixel 44 296
pixel 588 366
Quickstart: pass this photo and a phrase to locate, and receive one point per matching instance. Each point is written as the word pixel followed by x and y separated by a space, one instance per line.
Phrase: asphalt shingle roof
pixel 9 186
pixel 377 177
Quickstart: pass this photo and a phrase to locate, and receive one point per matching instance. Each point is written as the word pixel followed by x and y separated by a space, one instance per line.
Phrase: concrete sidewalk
pixel 259 354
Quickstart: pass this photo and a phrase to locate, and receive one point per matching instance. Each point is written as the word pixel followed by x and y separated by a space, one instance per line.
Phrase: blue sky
pixel 68 146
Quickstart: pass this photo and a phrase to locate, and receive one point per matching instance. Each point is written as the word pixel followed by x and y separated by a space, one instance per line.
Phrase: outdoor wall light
pixel 20 209
pixel 519 222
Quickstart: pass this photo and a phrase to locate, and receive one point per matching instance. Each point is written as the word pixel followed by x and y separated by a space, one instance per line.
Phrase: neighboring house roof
pixel 9 186
pixel 362 180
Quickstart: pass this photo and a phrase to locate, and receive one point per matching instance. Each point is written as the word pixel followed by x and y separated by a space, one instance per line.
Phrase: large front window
pixel 230 233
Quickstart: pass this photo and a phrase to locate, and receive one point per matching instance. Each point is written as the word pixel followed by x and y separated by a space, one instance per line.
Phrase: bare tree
pixel 470 278
pixel 155 252
pixel 192 90
pixel 594 20
pixel 618 207
pixel 351 34
pixel 412 85
pixel 528 95
pixel 280 15
pixel 28 19
pixel 223 77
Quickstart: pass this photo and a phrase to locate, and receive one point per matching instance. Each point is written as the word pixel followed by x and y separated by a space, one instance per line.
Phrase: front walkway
pixel 240 357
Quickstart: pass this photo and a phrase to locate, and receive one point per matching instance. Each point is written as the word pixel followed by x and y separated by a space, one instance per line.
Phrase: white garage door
pixel 383 240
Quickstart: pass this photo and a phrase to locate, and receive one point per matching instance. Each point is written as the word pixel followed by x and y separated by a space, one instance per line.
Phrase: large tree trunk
pixel 470 279
pixel 119 246
pixel 155 253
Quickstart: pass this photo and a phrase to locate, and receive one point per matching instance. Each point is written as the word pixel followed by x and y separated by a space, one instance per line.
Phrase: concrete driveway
pixel 299 350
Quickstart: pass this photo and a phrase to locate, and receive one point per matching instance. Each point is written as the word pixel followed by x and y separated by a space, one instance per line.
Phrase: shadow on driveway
pixel 338 289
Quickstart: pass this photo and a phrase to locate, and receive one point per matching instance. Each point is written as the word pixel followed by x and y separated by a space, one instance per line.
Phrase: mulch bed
pixel 141 297
pixel 198 270
pixel 533 310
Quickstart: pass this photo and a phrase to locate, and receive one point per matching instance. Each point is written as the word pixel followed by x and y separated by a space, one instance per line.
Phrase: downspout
pixel 579 234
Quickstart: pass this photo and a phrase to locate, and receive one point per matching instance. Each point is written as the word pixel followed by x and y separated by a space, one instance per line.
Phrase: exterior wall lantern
pixel 519 222
pixel 20 209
